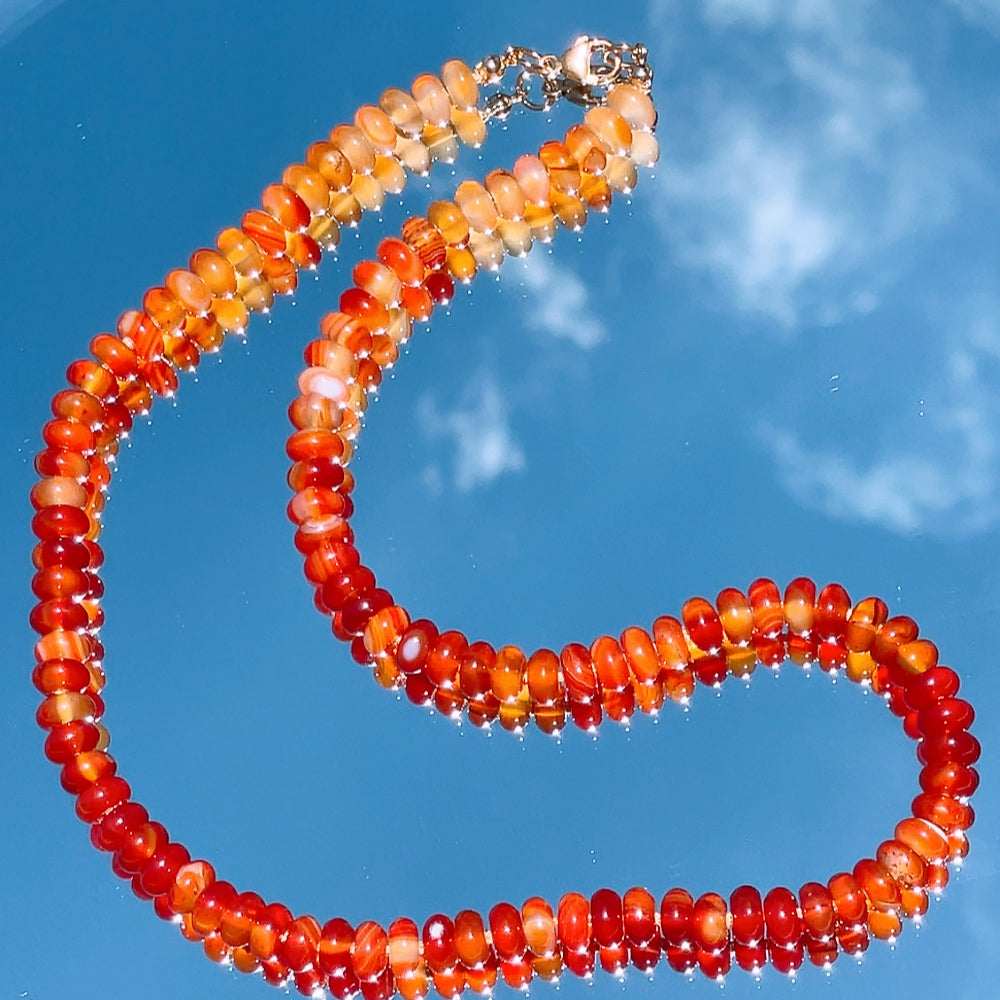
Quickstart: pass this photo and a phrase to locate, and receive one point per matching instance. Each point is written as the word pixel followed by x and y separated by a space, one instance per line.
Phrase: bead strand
pixel 190 314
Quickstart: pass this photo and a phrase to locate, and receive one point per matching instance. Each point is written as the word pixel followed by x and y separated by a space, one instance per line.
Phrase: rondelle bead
pixel 432 98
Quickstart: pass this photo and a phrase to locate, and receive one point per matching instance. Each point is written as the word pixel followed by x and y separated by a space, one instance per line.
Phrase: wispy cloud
pixel 559 303
pixel 795 194
pixel 479 430
pixel 980 13
pixel 942 476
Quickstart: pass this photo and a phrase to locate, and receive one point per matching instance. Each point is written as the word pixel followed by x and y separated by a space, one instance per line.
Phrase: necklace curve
pixel 195 310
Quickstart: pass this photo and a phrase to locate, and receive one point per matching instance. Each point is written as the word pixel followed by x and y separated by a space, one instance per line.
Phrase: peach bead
pixel 460 83
pixel 564 171
pixel 331 164
pixel 414 155
pixel 345 208
pixel 621 174
pixel 634 105
pixel 377 128
pixel 231 314
pixel 461 264
pixel 488 251
pixel 470 127
pixel 645 150
pixel 441 143
pixel 324 383
pixel 368 192
pixel 432 99
pixel 308 183
pixel 450 221
pixel 58 490
pixel 325 230
pixel 403 112
pixel 515 236
pixel 533 179
pixel 586 149
pixel 542 222
pixel 539 924
pixel 353 143
pixel 190 291
pixel 390 174
pixel 240 250
pixel 506 194
pixel 477 206
pixel 611 128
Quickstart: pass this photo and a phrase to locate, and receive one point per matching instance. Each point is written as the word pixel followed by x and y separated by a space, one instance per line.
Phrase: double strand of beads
pixel 190 314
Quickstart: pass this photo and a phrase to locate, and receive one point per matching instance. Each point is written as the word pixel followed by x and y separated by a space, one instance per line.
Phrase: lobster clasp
pixel 592 62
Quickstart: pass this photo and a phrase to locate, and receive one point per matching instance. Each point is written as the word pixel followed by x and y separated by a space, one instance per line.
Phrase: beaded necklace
pixel 191 314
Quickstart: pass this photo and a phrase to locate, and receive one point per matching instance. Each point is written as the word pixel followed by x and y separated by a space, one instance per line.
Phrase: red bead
pixel 607 919
pixel 784 927
pixel 210 906
pixel 949 778
pixel 958 747
pixel 334 949
pixel 767 606
pixel 709 928
pixel 507 931
pixel 101 797
pixel 948 715
pixel 110 833
pixel 573 922
pixel 639 913
pixel 703 624
pixel 60 522
pixel 747 909
pixel 415 644
pixel 832 608
pixel 299 949
pixel 69 739
pixel 439 943
pixel 676 912
pixel 159 872
pixel 933 686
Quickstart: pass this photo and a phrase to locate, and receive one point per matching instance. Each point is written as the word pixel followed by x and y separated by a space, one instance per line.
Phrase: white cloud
pixel 485 447
pixel 795 194
pixel 942 476
pixel 560 304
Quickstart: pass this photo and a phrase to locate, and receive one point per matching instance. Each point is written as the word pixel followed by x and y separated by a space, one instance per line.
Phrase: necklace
pixel 192 313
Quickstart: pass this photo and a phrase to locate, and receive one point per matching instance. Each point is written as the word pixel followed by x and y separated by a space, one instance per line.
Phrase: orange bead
pixel 450 221
pixel 425 240
pixel 564 171
pixel 878 885
pixel 735 615
pixel 507 674
pixel 432 98
pixel 799 605
pixel 917 657
pixel 904 865
pixel 924 838
pixel 640 653
pixel 767 606
pixel 475 203
pixel 460 83
pixel 542 672
pixel 709 927
pixel 539 927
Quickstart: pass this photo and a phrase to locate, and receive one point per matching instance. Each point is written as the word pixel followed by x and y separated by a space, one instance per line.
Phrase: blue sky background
pixel 780 358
